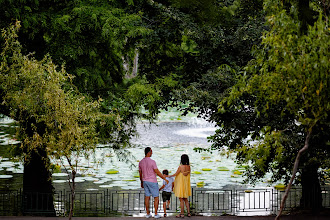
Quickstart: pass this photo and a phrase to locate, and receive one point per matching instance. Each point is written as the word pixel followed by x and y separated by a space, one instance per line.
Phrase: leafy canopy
pixel 39 96
pixel 281 96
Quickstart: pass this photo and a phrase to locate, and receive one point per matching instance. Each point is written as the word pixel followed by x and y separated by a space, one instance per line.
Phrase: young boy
pixel 167 191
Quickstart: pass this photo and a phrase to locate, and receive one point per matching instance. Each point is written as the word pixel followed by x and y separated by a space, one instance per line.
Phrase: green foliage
pixel 188 42
pixel 62 121
pixel 282 94
pixel 90 37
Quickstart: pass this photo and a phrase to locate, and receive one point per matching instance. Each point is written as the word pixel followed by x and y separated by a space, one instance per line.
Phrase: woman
pixel 182 188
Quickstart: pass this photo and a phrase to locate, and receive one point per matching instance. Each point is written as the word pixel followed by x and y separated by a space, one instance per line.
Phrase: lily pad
pixel 6 176
pixel 206 169
pixel 59 181
pixel 105 186
pixel 280 186
pixel 59 174
pixel 196 172
pixel 200 184
pixel 242 166
pixel 129 180
pixel 112 171
pixel 80 179
pixel 99 182
pixel 203 158
pixel 223 169
pixel 237 172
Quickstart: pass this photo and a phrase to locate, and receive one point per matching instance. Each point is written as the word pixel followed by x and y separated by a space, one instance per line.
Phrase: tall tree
pixel 191 39
pixel 279 108
pixel 91 38
pixel 54 119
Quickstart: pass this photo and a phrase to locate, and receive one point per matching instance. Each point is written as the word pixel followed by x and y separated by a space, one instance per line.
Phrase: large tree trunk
pixel 311 190
pixel 38 190
pixel 37 185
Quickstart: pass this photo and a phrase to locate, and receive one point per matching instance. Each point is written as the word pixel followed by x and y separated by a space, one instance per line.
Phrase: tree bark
pixel 311 190
pixel 295 168
pixel 72 185
pixel 37 185
pixel 73 194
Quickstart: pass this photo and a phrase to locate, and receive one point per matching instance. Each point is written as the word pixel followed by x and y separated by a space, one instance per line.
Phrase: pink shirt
pixel 148 166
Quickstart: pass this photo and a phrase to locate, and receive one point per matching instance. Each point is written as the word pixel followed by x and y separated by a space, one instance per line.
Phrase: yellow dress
pixel 182 188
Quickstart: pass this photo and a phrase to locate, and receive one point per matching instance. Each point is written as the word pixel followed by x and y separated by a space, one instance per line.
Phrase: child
pixel 167 192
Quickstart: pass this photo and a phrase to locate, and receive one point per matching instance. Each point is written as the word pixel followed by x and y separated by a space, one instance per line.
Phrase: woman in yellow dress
pixel 182 188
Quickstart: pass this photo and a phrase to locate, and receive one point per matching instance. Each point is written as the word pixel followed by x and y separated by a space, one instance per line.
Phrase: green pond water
pixel 172 136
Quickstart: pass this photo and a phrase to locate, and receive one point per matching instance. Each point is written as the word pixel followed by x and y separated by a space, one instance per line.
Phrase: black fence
pixel 118 202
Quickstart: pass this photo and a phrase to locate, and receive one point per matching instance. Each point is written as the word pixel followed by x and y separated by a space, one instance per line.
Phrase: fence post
pixel 106 201
pixel 234 201
pixel 192 199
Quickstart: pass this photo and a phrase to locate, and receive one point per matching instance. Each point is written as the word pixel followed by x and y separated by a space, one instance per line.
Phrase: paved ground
pixel 294 217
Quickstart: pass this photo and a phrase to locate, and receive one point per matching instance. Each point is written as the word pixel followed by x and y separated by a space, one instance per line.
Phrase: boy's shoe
pixel 157 216
pixel 148 216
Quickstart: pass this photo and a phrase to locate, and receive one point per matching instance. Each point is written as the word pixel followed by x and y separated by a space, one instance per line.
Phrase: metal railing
pixel 117 202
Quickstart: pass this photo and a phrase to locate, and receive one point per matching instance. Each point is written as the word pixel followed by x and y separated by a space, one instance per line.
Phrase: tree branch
pixel 295 168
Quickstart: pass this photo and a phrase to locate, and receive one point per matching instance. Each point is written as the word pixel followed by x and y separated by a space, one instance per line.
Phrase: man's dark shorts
pixel 166 196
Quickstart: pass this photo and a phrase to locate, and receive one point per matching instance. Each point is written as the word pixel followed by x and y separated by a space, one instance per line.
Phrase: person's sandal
pixel 189 215
pixel 165 215
pixel 180 216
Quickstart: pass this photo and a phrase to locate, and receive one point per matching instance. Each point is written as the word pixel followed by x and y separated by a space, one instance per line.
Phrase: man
pixel 148 171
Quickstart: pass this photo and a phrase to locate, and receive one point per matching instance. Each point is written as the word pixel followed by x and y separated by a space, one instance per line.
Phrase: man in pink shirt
pixel 148 171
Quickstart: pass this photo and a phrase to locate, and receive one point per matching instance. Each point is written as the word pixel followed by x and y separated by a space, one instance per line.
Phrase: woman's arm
pixel 185 173
pixel 177 172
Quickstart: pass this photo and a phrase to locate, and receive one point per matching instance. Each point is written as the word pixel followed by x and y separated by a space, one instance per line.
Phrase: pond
pixel 172 136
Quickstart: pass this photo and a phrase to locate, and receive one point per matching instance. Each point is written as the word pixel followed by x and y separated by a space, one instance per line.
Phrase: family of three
pixel 181 185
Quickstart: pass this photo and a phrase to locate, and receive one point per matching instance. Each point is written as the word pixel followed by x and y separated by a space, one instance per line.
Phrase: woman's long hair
pixel 184 159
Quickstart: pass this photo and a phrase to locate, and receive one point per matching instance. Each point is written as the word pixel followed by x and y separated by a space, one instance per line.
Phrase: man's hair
pixel 165 172
pixel 147 150
pixel 184 159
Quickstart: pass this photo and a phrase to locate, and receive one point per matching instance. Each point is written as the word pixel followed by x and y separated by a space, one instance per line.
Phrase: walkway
pixel 294 217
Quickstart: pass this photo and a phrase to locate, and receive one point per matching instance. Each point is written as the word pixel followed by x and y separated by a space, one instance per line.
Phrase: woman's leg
pixel 182 205
pixel 181 215
pixel 187 205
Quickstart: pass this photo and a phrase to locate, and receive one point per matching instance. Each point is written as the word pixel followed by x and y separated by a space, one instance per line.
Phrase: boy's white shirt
pixel 168 187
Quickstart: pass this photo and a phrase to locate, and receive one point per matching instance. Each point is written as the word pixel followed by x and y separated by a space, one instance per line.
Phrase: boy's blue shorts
pixel 151 188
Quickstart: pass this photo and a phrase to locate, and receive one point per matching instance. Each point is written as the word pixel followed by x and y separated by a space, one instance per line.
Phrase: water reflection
pixel 169 139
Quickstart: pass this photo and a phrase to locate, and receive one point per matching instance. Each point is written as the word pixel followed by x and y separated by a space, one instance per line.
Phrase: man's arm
pixel 160 175
pixel 140 174
pixel 161 187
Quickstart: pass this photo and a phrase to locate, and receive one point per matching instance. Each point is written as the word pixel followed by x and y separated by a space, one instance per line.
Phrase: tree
pixel 279 108
pixel 191 39
pixel 91 38
pixel 62 122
